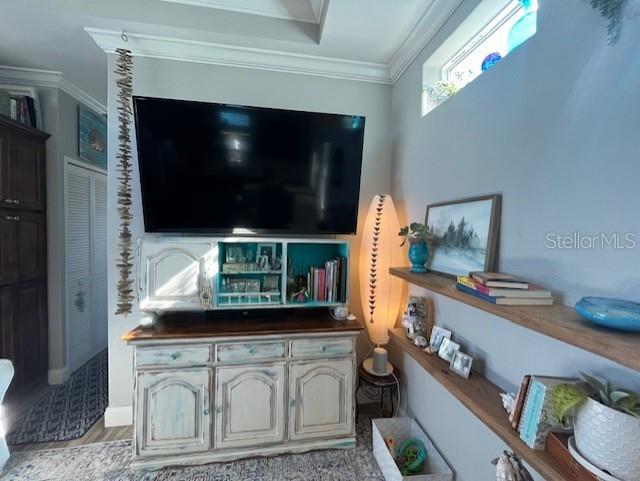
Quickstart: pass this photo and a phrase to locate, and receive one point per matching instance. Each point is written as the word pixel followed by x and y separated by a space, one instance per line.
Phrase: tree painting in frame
pixel 92 137
pixel 465 234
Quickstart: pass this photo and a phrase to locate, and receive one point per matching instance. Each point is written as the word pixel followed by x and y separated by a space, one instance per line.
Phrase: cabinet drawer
pixel 250 351
pixel 173 356
pixel 321 347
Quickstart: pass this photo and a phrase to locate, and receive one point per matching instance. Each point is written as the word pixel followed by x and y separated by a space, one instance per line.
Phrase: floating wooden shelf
pixel 482 398
pixel 557 321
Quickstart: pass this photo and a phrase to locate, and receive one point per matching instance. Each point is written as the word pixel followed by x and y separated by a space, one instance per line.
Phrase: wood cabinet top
pixel 25 129
pixel 191 325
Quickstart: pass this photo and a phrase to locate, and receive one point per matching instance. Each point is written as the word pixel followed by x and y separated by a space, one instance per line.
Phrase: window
pixel 500 33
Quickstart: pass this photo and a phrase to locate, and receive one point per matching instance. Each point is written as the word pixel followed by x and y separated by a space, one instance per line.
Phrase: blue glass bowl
pixel 613 313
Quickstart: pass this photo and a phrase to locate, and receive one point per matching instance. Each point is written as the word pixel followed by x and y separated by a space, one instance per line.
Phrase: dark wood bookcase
pixel 23 248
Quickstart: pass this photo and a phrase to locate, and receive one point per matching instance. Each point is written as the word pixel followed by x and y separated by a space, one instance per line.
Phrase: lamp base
pixel 367 364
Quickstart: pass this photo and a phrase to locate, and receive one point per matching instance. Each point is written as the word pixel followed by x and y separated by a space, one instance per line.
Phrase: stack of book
pixel 504 289
pixel 18 107
pixel 328 283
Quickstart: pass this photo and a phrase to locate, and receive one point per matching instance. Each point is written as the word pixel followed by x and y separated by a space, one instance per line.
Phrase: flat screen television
pixel 220 168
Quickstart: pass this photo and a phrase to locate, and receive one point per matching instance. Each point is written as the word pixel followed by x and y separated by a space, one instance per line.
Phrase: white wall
pixel 181 80
pixel 554 128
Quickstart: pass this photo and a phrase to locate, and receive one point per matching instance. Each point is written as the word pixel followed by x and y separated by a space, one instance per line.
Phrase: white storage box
pixel 401 429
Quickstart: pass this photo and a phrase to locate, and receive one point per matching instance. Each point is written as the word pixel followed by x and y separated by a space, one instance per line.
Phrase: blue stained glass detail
pixel 490 60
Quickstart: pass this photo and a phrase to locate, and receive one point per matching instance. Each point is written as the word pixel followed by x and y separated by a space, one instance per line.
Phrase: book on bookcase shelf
pixel 518 404
pixel 499 279
pixel 537 419
pixel 328 283
pixel 506 301
pixel 533 291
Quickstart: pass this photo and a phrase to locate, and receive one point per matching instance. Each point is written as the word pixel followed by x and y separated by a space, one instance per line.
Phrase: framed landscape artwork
pixel 465 234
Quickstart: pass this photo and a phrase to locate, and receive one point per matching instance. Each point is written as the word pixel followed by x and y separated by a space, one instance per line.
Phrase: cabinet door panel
pixel 8 247
pixel 250 405
pixel 31 245
pixel 23 174
pixel 321 399
pixel 172 412
pixel 173 274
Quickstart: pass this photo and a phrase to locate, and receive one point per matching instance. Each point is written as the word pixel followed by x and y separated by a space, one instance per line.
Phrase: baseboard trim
pixel 118 416
pixel 58 376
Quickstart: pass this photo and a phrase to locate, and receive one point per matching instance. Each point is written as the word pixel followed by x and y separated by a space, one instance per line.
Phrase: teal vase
pixel 418 255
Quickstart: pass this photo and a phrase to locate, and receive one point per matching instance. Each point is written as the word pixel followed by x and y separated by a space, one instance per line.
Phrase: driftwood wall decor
pixel 124 82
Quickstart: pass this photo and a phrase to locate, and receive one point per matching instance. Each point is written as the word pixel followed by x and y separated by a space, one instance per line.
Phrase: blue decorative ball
pixel 490 60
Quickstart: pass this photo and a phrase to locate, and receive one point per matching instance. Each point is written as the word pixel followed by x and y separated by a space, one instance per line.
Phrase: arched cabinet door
pixel 173 275
pixel 321 399
pixel 173 412
pixel 250 405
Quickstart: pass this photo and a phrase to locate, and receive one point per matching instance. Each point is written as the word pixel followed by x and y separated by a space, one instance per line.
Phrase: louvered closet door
pixel 79 260
pixel 86 224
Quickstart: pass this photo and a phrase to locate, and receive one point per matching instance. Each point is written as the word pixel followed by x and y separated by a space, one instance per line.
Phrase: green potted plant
pixel 418 235
pixel 606 424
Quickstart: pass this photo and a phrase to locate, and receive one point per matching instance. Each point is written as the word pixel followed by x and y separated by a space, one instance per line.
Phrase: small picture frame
pixel 448 349
pixel 271 284
pixel 268 250
pixel 237 285
pixel 253 285
pixel 262 263
pixel 438 334
pixel 461 364
pixel 234 253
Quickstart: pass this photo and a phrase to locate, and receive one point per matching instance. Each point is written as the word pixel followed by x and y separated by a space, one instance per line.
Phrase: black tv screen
pixel 222 168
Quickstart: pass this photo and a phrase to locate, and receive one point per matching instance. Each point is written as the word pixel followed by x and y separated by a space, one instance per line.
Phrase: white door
pixel 173 412
pixel 321 403
pixel 250 405
pixel 86 263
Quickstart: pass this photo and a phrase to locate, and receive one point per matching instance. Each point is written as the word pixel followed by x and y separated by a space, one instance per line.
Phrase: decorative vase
pixel 609 439
pixel 418 255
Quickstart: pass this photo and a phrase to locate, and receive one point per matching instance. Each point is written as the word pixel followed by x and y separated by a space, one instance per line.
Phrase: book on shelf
pixel 518 404
pixel 506 301
pixel 537 419
pixel 499 279
pixel 22 109
pixel 534 291
pixel 328 283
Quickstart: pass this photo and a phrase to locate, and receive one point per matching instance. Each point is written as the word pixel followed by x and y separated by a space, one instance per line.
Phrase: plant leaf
pixel 564 397
pixel 617 396
pixel 596 384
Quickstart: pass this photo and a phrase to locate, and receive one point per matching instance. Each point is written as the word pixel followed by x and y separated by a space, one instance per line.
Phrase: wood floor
pixel 15 406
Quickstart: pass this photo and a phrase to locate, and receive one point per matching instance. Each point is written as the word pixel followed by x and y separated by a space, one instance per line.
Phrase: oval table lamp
pixel 379 291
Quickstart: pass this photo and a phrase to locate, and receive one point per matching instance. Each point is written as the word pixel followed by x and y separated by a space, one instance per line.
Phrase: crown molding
pixel 260 7
pixel 51 79
pixel 245 57
pixel 430 23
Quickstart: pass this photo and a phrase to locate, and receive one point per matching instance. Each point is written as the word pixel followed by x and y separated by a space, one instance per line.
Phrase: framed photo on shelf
pixel 253 285
pixel 234 253
pixel 268 250
pixel 270 284
pixel 448 350
pixel 465 235
pixel 461 364
pixel 237 285
pixel 438 334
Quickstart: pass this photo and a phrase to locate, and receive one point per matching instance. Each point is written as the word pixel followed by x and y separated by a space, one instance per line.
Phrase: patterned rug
pixel 68 410
pixel 112 462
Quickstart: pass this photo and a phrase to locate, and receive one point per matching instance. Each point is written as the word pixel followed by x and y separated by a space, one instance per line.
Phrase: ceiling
pixel 370 40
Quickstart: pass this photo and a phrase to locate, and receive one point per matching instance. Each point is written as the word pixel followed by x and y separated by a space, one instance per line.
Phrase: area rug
pixel 112 462
pixel 68 410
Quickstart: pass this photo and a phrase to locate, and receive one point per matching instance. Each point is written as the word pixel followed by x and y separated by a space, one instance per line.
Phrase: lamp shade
pixel 380 249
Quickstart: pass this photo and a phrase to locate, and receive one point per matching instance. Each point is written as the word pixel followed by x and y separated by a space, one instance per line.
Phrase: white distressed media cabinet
pixel 223 389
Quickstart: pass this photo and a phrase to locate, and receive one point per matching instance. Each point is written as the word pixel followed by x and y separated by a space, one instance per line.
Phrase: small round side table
pixel 383 383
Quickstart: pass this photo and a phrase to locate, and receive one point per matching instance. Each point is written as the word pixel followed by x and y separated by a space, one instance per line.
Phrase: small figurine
pixel 300 292
pixel 420 341
pixel 510 468
pixel 508 400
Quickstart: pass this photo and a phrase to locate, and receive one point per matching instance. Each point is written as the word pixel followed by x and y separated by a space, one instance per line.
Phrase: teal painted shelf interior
pixel 268 273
